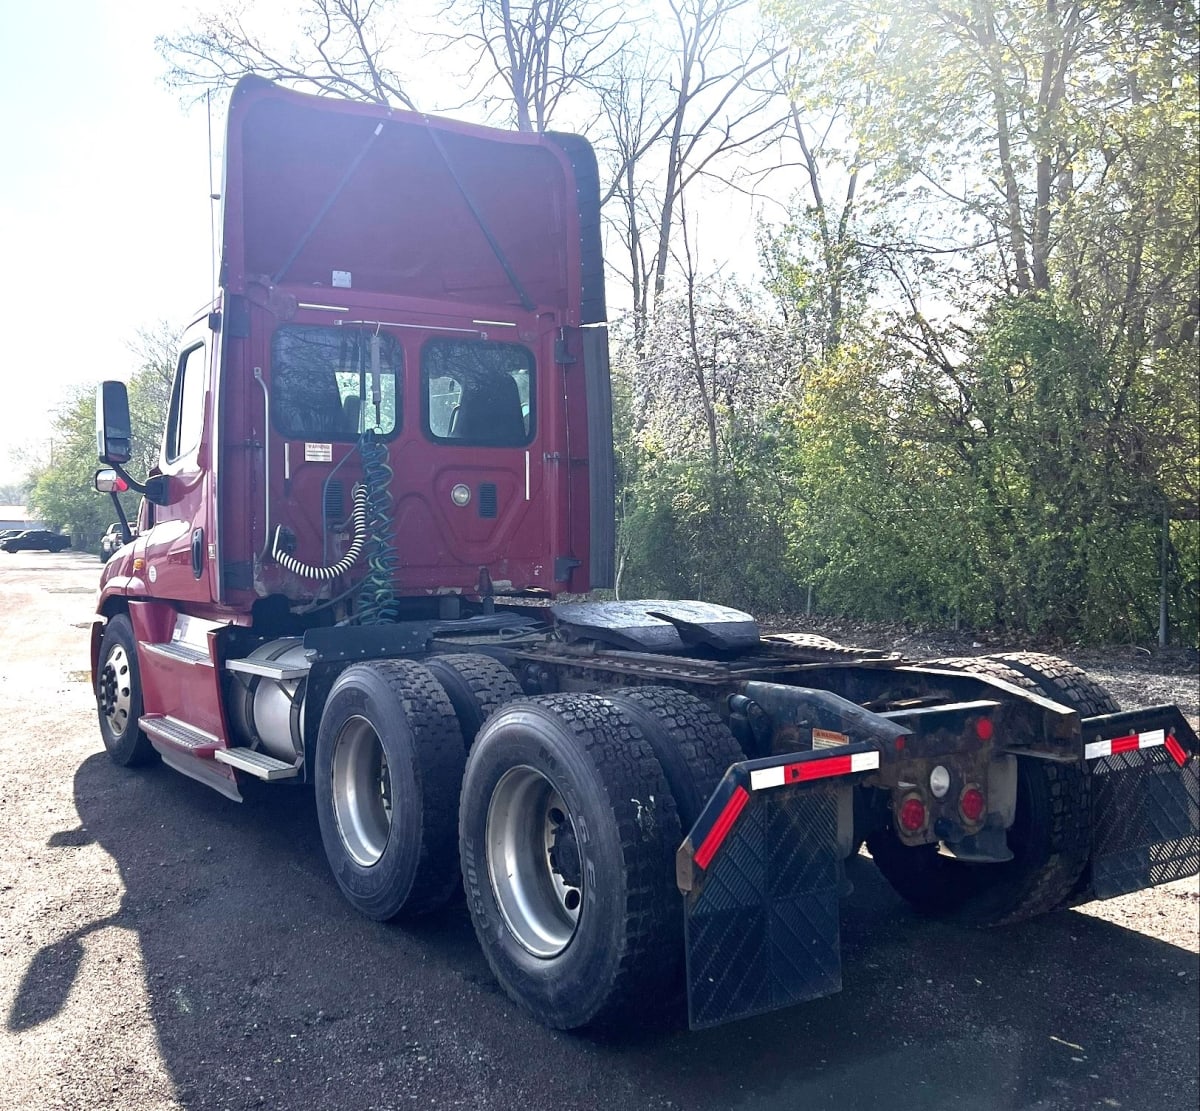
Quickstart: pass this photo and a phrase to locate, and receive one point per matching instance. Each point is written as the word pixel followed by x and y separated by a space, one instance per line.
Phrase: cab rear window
pixel 476 392
pixel 322 382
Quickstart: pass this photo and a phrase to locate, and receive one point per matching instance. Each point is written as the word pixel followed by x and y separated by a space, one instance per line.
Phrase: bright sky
pixel 104 198
pixel 104 210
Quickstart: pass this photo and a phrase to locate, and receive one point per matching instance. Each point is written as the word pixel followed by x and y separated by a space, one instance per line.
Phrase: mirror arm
pixel 153 489
pixel 126 531
pixel 133 482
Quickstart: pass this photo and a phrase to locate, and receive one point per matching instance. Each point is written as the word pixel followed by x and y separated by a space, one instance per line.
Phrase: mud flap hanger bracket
pixel 744 780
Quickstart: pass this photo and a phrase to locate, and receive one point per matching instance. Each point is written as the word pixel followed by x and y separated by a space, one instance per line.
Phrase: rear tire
pixel 567 835
pixel 477 686
pixel 1061 681
pixel 693 745
pixel 389 762
pixel 119 696
pixel 1051 833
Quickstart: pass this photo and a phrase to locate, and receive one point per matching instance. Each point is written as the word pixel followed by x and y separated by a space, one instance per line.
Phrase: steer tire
pixel 477 686
pixel 568 833
pixel 693 745
pixel 1051 833
pixel 119 696
pixel 389 762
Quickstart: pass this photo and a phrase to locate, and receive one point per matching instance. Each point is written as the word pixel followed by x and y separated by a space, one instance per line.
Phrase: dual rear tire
pixel 562 823
pixel 572 809
pixel 388 764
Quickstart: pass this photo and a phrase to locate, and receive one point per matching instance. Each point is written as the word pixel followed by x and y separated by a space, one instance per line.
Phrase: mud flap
pixel 1145 787
pixel 762 876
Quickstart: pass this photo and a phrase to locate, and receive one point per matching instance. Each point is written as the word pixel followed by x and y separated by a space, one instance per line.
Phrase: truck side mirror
pixel 113 432
pixel 107 481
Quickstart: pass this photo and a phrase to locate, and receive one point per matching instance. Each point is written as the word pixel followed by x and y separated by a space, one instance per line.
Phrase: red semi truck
pixel 388 449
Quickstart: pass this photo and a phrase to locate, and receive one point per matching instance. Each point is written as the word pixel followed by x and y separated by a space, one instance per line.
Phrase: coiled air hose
pixel 324 574
pixel 377 598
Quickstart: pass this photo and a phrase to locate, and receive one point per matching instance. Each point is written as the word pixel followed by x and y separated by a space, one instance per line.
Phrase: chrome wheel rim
pixel 533 861
pixel 362 792
pixel 116 690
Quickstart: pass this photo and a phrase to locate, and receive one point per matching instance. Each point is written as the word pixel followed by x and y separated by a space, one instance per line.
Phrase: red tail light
pixel 984 729
pixel 971 804
pixel 912 815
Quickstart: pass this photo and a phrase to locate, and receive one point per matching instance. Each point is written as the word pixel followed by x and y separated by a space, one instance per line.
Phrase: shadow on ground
pixel 268 991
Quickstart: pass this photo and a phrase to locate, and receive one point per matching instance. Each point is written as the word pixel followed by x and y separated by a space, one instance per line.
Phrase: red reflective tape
pixel 817 769
pixel 722 826
pixel 1176 750
pixel 1125 744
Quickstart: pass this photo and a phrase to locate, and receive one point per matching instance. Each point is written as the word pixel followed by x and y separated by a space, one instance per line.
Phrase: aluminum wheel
pixel 362 791
pixel 116 690
pixel 533 861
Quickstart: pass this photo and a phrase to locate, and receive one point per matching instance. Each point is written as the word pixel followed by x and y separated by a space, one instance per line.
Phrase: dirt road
pixel 162 947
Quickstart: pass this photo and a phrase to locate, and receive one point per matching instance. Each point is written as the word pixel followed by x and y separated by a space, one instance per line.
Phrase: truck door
pixel 177 545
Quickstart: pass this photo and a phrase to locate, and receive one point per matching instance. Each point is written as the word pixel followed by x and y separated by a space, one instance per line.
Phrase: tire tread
pixel 626 769
pixel 477 685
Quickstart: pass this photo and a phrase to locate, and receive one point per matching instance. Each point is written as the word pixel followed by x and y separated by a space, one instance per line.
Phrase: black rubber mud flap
pixel 761 874
pixel 1145 800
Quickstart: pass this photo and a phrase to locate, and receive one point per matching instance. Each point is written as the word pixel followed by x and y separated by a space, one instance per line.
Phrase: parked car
pixel 36 540
pixel 112 539
pixel 8 532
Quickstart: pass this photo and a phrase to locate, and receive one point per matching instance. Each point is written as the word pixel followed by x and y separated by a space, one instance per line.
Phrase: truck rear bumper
pixel 761 872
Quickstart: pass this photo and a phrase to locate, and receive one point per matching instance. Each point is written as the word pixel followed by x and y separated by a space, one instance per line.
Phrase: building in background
pixel 17 516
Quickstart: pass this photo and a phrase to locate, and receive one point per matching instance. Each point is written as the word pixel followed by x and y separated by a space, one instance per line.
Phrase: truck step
pixel 165 730
pixel 281 673
pixel 179 651
pixel 256 763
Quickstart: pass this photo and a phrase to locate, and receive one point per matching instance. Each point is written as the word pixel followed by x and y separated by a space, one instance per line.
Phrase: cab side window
pixel 186 418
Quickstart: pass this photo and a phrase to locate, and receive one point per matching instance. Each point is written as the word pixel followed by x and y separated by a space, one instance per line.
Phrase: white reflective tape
pixel 1099 749
pixel 766 777
pixel 864 761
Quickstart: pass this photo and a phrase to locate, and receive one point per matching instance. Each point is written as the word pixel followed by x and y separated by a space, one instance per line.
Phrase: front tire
pixel 119 696
pixel 567 836
pixel 389 762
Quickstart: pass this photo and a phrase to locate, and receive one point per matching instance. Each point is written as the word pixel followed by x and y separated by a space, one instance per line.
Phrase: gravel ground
pixel 162 947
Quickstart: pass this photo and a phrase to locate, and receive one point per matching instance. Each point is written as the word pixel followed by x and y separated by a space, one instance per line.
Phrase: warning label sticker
pixel 828 738
pixel 318 453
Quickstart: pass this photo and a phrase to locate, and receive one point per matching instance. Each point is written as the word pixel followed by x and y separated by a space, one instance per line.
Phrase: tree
pixel 342 50
pixel 1051 99
pixel 1048 150
pixel 705 496
pixel 62 491
pixel 676 111
pixel 14 493
pixel 530 56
